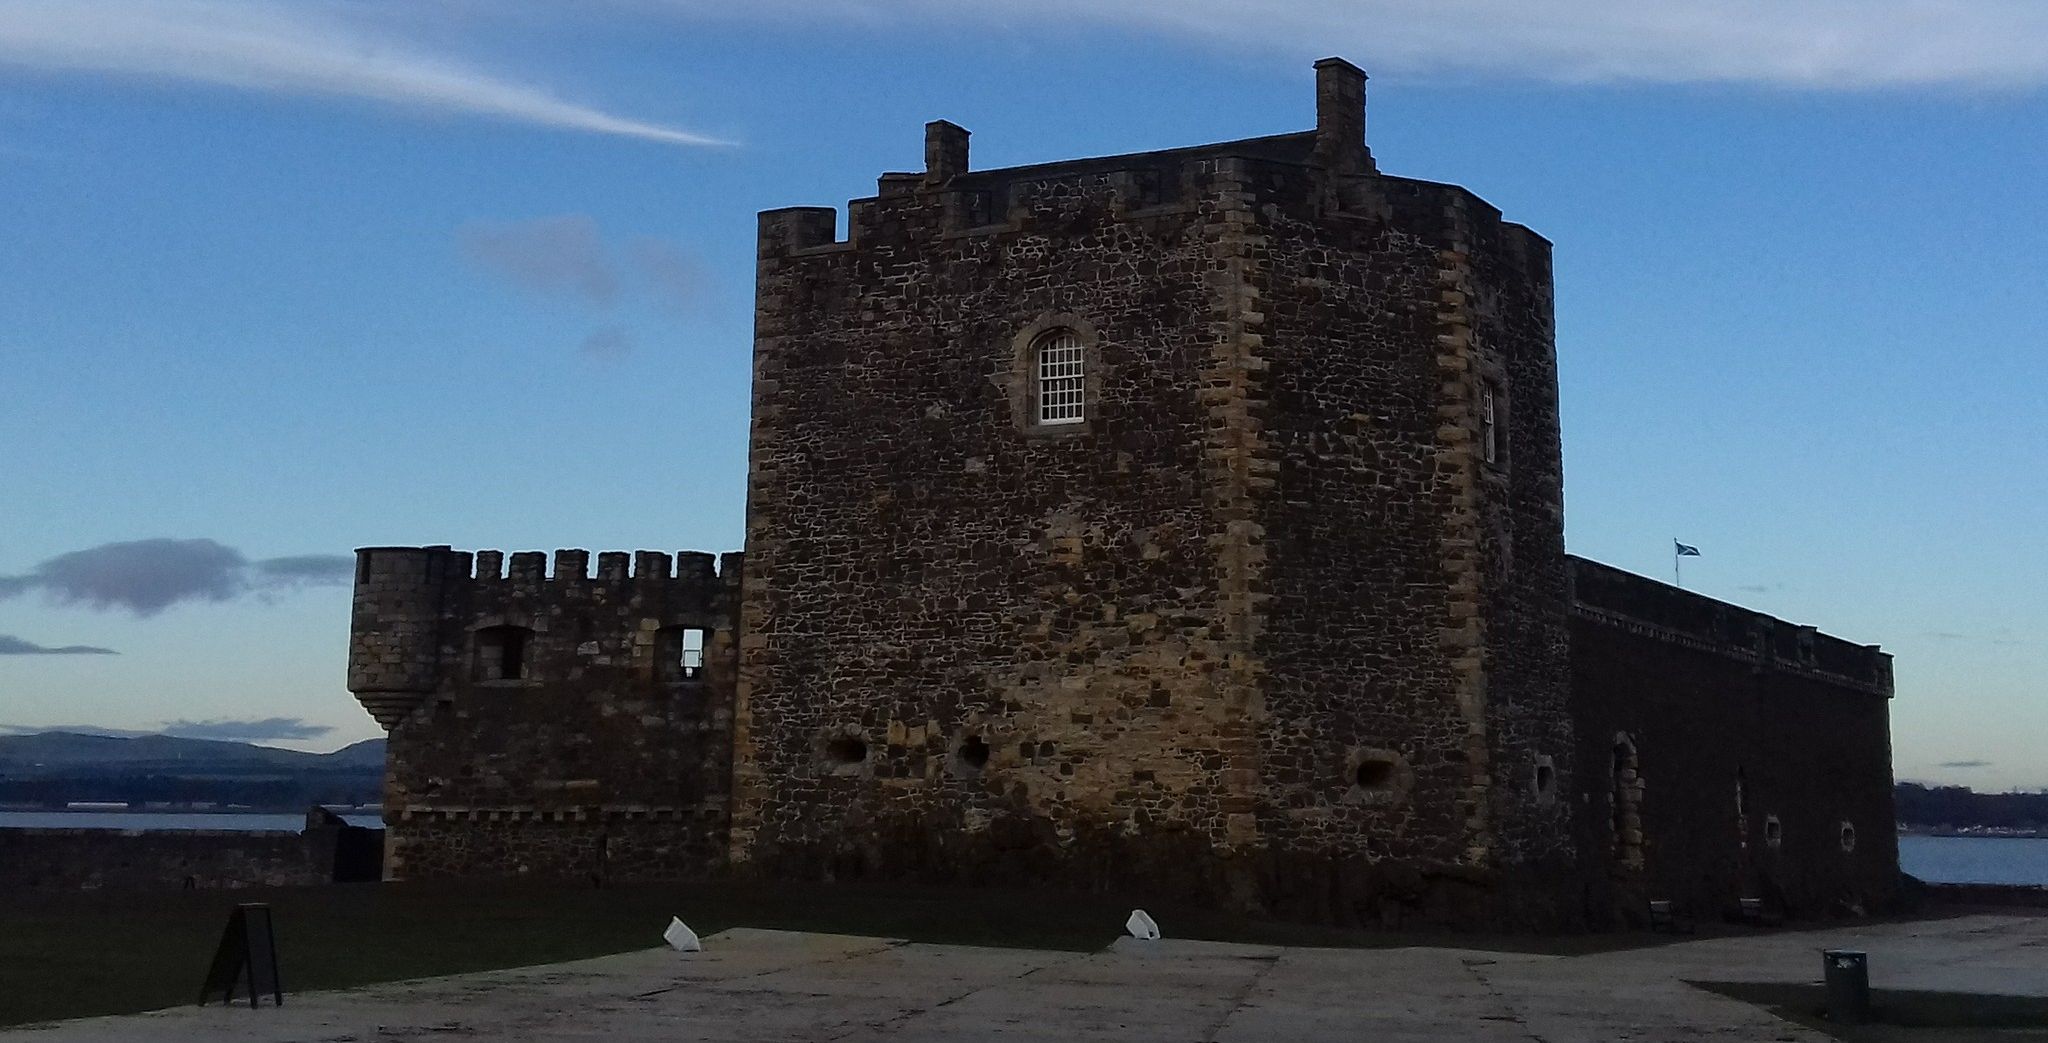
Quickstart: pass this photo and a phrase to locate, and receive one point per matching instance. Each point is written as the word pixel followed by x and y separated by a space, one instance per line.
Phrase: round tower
pixel 394 646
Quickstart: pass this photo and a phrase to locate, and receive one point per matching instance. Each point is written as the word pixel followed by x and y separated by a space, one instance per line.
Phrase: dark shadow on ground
pixel 1901 1016
pixel 108 953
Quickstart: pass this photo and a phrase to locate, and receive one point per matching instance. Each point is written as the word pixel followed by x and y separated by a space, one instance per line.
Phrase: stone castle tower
pixel 565 725
pixel 1186 522
pixel 1190 517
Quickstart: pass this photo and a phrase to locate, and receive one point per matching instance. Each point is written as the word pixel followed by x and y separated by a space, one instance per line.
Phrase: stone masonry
pixel 548 724
pixel 1262 599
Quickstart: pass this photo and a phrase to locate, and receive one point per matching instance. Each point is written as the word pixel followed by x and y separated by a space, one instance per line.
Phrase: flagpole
pixel 1680 550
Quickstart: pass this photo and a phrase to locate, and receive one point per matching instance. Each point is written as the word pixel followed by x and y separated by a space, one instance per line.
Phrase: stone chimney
pixel 945 151
pixel 1340 116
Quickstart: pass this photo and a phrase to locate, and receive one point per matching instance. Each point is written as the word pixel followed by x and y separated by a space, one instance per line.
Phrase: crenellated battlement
pixel 1327 172
pixel 1138 187
pixel 948 198
pixel 560 696
pixel 574 565
pixel 421 616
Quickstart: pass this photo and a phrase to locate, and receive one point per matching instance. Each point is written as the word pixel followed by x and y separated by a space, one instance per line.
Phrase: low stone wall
pixel 598 849
pixel 133 860
pixel 1986 894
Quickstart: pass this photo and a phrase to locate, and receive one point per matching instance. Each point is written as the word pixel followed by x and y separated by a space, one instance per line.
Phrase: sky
pixel 278 280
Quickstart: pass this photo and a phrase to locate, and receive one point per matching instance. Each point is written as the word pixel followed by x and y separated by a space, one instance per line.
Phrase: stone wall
pixel 1186 629
pixel 1283 623
pixel 548 724
pixel 1412 605
pixel 1739 747
pixel 162 859
pixel 933 575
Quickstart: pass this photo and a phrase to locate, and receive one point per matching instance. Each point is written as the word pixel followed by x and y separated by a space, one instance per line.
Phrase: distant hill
pixel 368 753
pixel 50 769
pixel 1944 808
pixel 64 751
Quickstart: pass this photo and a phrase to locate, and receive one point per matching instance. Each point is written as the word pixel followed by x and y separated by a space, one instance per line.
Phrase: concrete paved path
pixel 773 985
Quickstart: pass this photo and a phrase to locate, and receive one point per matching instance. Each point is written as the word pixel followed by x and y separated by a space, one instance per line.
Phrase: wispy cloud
pixel 301 570
pixel 610 342
pixel 563 255
pixel 305 47
pixel 1966 764
pixel 566 257
pixel 11 645
pixel 147 576
pixel 1826 44
pixel 670 277
pixel 268 728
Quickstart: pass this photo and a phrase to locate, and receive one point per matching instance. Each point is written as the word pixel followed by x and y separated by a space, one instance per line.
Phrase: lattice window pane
pixel 1062 384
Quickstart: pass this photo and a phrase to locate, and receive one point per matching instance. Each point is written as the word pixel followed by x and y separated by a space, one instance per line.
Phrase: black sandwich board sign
pixel 247 954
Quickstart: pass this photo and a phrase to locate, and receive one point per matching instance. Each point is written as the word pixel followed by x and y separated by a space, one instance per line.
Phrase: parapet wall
pixel 573 566
pixel 1162 194
pixel 549 722
pixel 46 860
pixel 1151 193
pixel 1732 754
pixel 417 607
pixel 1012 199
pixel 1609 596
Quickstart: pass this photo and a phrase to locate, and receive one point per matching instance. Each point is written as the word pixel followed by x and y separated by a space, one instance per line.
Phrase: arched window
pixel 503 653
pixel 1061 382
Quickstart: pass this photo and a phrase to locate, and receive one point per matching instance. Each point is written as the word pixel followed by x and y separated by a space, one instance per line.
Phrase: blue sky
pixel 293 278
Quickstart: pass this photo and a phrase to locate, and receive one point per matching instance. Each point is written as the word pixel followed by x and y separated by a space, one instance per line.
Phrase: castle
pixel 1187 522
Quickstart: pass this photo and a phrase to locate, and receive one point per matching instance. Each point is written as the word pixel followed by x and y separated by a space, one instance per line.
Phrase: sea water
pixel 1976 860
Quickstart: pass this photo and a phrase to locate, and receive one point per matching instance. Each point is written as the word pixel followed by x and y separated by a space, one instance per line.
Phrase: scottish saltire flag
pixel 1685 551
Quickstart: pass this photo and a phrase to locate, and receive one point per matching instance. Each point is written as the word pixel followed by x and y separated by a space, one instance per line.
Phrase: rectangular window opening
pixel 512 663
pixel 501 653
pixel 682 654
pixel 1062 385
pixel 692 655
pixel 1489 423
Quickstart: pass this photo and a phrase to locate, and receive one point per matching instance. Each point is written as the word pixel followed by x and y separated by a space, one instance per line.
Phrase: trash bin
pixel 1848 979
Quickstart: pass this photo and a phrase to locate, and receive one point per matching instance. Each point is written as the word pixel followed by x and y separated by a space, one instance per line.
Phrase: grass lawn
pixel 76 955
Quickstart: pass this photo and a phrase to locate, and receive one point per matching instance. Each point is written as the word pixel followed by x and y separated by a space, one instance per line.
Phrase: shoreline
pixel 1976 833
